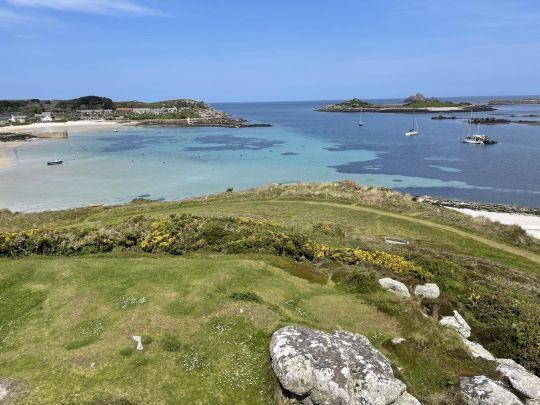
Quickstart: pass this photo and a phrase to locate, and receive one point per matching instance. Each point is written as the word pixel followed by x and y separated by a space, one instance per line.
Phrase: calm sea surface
pixel 303 145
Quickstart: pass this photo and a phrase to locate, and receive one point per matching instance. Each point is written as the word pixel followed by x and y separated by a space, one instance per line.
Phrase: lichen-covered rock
pixel 10 390
pixel 456 322
pixel 524 382
pixel 477 350
pixel 480 390
pixel 429 290
pixel 406 399
pixel 332 368
pixel 395 286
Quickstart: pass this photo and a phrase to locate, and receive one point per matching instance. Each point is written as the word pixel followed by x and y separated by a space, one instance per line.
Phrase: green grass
pixel 77 345
pixel 434 103
pixel 206 318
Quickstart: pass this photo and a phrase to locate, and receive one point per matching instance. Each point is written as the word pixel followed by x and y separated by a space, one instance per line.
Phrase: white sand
pixel 70 126
pixel 6 154
pixel 530 223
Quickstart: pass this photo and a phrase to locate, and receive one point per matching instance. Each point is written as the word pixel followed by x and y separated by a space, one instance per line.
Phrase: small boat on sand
pixel 54 162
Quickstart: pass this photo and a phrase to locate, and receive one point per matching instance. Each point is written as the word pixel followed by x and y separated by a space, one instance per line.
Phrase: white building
pixel 45 116
pixel 18 118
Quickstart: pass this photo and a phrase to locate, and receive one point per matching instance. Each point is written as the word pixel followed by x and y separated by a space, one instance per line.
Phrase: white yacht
pixel 415 130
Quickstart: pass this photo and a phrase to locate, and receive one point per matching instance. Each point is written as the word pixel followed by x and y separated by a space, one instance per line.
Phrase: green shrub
pixel 170 343
pixel 245 296
pixel 126 351
pixel 140 361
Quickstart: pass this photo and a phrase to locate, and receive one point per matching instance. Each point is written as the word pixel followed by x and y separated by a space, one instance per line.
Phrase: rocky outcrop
pixel 429 290
pixel 480 390
pixel 315 367
pixel 416 97
pixel 395 286
pixel 456 322
pixel 525 383
pixel 406 399
pixel 477 350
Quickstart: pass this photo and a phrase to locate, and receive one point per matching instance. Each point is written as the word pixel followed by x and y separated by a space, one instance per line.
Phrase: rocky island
pixel 495 121
pixel 413 104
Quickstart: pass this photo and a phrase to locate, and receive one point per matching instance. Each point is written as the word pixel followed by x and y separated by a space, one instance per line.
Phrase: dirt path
pixel 494 244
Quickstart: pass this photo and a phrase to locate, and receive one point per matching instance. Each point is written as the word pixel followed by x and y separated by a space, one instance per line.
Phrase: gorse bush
pixel 180 234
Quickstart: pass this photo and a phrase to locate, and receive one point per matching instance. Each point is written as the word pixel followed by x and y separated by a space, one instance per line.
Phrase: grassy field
pixel 206 316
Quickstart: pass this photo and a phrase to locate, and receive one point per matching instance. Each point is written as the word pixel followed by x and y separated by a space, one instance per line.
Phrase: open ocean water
pixel 303 145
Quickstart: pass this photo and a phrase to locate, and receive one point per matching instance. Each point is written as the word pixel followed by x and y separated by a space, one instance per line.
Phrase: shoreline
pixel 72 126
pixel 6 154
pixel 529 223
pixel 527 218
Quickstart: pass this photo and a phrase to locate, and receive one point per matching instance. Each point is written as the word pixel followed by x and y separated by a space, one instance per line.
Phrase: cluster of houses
pixel 120 112
pixel 6 119
pixel 123 112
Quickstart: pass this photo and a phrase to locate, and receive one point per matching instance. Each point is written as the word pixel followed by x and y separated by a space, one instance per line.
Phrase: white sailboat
pixel 415 130
pixel 361 122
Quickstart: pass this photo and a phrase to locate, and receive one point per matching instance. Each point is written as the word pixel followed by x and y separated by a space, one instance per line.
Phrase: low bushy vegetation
pixel 354 103
pixel 180 234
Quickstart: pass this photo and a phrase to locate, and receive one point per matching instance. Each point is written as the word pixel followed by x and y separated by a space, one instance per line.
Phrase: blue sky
pixel 239 50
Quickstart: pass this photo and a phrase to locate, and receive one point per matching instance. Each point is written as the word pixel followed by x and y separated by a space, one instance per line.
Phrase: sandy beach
pixel 70 126
pixel 6 154
pixel 530 223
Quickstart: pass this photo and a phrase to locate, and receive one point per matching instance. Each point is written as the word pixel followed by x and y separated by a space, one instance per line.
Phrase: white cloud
pixel 10 18
pixel 113 7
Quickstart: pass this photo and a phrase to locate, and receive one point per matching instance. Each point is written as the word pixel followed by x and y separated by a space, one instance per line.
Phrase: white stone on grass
pixel 333 368
pixel 429 290
pixel 456 322
pixel 138 339
pixel 480 390
pixel 524 382
pixel 477 350
pixel 395 286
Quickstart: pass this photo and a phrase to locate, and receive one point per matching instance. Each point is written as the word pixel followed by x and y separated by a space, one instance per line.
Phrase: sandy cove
pixel 530 223
pixel 70 126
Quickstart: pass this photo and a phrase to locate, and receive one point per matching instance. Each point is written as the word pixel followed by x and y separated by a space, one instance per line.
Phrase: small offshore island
pixel 413 104
pixel 34 118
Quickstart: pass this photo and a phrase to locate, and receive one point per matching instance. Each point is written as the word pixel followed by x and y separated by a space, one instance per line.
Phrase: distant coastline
pixel 36 117
pixel 417 103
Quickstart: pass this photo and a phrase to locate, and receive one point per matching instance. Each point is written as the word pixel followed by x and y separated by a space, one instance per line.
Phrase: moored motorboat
pixel 477 138
pixel 54 162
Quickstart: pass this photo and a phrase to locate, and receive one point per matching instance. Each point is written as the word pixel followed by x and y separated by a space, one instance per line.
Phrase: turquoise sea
pixel 303 145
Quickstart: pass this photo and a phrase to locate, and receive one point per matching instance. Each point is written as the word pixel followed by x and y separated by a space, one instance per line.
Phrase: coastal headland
pixel 191 295
pixel 414 104
pixel 38 118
